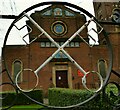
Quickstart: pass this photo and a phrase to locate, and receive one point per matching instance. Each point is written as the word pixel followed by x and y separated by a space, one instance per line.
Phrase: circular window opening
pixel 59 28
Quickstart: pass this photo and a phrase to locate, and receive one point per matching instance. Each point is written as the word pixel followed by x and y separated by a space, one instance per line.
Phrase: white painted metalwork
pixel 61 48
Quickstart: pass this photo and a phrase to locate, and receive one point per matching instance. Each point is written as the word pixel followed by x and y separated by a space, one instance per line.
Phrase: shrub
pixel 9 98
pixel 21 98
pixel 66 97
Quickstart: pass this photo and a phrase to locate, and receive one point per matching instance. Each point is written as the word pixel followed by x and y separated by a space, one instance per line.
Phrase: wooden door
pixel 62 79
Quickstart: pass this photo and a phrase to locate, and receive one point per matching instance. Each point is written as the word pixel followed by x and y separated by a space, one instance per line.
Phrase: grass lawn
pixel 26 107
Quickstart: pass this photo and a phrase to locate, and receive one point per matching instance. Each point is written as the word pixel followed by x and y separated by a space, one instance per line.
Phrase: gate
pixel 34 71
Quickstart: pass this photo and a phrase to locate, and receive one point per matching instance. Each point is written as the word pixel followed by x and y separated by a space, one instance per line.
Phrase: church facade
pixel 60 22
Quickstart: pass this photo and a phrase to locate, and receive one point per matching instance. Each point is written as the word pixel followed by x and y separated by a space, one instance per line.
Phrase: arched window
pixel 17 66
pixel 102 67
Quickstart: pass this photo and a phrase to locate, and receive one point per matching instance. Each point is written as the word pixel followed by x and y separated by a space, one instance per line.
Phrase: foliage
pixel 21 99
pixel 66 97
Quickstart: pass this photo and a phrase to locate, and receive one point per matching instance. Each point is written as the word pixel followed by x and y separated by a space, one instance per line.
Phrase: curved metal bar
pixel 110 57
pixel 118 87
pixel 116 73
pixel 17 76
pixel 100 77
pixel 111 92
pixel 16 90
pixel 88 14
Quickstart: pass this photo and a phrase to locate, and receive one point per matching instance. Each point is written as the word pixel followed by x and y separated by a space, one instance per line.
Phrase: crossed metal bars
pixel 61 48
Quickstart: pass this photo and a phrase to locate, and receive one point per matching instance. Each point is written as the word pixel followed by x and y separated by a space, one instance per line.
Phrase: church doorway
pixel 62 79
pixel 62 74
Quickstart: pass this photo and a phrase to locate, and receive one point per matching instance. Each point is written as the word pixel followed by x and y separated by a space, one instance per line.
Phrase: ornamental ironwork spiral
pixel 60 48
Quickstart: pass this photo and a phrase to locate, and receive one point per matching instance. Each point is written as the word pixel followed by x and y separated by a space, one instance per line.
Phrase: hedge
pixel 66 97
pixel 21 98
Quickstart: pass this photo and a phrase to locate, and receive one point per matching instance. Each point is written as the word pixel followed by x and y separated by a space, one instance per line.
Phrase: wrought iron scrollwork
pixel 59 48
pixel 115 103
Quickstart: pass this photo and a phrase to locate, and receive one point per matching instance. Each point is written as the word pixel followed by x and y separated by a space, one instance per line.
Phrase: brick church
pixel 60 22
